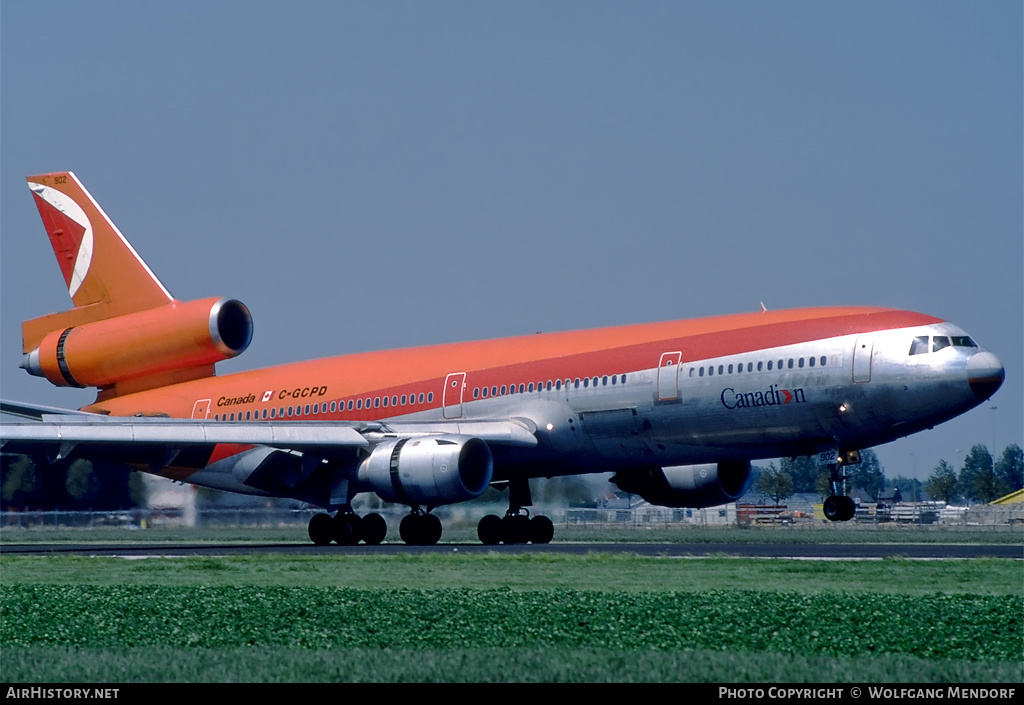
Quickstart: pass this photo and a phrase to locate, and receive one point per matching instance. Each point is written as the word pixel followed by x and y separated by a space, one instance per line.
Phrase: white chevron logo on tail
pixel 72 210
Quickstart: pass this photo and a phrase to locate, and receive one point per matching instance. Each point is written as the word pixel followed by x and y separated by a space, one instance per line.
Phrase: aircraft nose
pixel 985 374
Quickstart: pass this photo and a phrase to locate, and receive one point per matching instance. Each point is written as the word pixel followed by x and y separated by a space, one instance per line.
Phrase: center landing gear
pixel 516 527
pixel 837 507
pixel 347 528
pixel 420 528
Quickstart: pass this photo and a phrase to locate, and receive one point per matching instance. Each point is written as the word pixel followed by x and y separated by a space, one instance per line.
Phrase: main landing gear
pixel 347 528
pixel 516 527
pixel 837 507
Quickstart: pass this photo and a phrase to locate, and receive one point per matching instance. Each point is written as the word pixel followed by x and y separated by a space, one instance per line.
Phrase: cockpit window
pixel 939 342
pixel 963 341
pixel 919 346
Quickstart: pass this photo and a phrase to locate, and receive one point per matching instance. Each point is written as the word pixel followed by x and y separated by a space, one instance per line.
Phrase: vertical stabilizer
pixel 104 274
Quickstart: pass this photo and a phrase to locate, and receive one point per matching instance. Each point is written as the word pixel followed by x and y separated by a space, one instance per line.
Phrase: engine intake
pixel 430 470
pixel 174 337
pixel 694 486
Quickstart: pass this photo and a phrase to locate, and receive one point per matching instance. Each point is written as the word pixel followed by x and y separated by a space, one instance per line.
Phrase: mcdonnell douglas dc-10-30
pixel 676 411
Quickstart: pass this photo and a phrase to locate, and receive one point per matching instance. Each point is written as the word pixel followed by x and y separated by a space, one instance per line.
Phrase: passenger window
pixel 919 346
pixel 939 342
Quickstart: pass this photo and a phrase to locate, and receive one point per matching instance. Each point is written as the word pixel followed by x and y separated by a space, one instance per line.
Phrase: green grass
pixel 526 617
pixel 548 571
pixel 534 665
pixel 462 532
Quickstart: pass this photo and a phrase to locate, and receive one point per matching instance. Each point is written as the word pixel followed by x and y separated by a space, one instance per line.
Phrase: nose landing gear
pixel 837 506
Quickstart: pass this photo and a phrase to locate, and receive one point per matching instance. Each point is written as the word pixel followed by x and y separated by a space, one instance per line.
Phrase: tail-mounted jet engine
pixel 177 337
pixel 694 486
pixel 429 470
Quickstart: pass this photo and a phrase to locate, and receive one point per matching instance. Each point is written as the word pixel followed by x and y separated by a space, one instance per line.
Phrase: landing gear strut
pixel 837 506
pixel 516 527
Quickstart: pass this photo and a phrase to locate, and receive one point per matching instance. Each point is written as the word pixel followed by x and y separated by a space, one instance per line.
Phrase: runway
pixel 808 551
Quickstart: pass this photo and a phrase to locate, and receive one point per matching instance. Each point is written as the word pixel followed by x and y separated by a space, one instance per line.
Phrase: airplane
pixel 676 411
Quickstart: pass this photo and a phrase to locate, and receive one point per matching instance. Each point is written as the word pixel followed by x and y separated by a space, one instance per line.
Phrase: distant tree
pixel 775 483
pixel 869 475
pixel 803 471
pixel 82 484
pixel 1010 467
pixel 18 480
pixel 911 489
pixel 823 485
pixel 66 485
pixel 978 480
pixel 942 484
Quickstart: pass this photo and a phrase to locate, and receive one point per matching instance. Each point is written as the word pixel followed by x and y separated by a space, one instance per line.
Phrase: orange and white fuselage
pixel 677 410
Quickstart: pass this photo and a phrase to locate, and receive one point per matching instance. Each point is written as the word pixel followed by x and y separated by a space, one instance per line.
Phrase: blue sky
pixel 388 174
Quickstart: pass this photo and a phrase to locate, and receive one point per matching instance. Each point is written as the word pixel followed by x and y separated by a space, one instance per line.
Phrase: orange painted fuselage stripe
pixel 530 358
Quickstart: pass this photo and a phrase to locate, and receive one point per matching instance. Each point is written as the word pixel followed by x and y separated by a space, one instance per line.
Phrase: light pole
pixel 994 434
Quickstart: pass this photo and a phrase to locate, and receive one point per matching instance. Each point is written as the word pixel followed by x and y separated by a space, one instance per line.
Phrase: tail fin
pixel 104 274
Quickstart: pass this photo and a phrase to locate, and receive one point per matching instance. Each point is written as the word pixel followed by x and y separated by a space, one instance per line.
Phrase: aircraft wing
pixel 157 441
pixel 36 411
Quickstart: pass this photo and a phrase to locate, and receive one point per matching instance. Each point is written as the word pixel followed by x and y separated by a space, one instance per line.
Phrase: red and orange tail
pixel 104 274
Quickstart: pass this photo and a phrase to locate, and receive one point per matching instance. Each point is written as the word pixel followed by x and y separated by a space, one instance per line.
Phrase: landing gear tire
pixel 489 530
pixel 420 529
pixel 515 528
pixel 849 508
pixel 374 529
pixel 542 530
pixel 321 529
pixel 347 529
pixel 838 508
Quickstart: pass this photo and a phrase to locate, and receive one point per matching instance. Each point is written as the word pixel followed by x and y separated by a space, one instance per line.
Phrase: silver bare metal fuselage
pixel 763 404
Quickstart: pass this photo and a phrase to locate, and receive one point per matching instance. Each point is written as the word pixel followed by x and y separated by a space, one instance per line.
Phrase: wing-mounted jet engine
pixel 693 486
